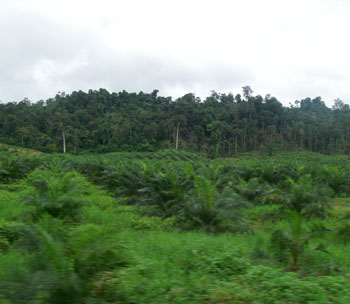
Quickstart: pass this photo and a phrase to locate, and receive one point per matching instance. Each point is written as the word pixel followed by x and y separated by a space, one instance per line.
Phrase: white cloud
pixel 291 49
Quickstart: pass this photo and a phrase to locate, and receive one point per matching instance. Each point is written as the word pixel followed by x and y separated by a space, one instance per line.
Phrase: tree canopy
pixel 219 125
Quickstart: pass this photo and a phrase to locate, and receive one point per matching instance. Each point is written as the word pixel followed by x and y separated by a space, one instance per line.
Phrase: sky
pixel 289 49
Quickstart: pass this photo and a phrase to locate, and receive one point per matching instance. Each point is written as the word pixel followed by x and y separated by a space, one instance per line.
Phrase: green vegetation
pixel 174 227
pixel 221 125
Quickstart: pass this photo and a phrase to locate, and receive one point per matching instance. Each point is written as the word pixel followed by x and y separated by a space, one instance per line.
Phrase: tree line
pixel 219 125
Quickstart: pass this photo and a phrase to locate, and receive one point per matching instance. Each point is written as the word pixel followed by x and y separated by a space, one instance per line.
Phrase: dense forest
pixel 219 125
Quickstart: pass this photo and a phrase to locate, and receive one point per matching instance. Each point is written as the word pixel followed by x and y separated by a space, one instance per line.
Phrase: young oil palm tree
pixel 167 189
pixel 305 197
pixel 41 268
pixel 212 211
pixel 291 245
pixel 58 194
pixel 253 190
pixel 336 179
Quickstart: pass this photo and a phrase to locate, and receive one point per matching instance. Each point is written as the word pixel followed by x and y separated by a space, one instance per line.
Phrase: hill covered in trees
pixel 219 125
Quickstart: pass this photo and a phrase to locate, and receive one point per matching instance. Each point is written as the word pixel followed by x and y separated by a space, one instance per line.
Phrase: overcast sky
pixel 290 49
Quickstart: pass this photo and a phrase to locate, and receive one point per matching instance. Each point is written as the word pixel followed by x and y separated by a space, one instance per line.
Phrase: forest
pixel 221 125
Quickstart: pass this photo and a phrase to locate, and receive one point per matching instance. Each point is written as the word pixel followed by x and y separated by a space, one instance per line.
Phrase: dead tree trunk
pixel 177 136
pixel 64 142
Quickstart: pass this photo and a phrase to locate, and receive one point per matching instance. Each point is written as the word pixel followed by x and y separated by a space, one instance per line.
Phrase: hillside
pixel 221 125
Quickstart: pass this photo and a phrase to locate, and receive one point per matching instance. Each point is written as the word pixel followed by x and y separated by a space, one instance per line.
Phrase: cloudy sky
pixel 290 49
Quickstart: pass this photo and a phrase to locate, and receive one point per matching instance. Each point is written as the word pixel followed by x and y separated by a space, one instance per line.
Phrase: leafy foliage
pixel 253 190
pixel 343 233
pixel 59 194
pixel 219 125
pixel 213 211
pixel 292 245
pixel 84 245
pixel 305 197
pixel 13 167
pixel 337 179
pixel 49 275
